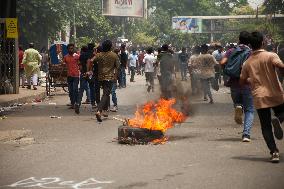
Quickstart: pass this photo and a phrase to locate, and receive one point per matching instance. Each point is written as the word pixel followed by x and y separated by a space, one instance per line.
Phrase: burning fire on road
pixel 150 123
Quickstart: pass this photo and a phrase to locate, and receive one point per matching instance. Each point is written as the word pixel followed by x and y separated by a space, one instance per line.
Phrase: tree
pixel 274 6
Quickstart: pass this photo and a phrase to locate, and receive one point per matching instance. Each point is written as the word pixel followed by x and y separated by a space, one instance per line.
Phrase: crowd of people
pixel 253 75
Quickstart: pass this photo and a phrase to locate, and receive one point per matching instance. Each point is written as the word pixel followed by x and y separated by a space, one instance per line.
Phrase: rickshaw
pixel 57 72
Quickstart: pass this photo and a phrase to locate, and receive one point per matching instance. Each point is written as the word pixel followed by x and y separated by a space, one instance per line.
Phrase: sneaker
pixel 205 99
pixel 246 138
pixel 238 115
pixel 275 158
pixel 114 109
pixel 278 132
pixel 77 109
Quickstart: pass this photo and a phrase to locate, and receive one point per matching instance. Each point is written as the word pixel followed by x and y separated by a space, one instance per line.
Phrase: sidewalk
pixel 25 95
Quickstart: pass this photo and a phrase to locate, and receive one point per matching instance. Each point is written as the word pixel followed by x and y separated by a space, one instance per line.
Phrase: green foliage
pixel 274 6
pixel 143 39
pixel 42 20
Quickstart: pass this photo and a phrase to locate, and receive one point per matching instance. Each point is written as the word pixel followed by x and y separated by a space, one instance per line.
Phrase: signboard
pixel 12 27
pixel 187 24
pixel 130 8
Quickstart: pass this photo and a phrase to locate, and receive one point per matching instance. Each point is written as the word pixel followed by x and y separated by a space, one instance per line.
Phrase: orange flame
pixel 157 116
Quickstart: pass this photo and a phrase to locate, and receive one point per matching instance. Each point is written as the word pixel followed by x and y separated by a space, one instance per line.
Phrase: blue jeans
pixel 243 97
pixel 73 83
pixel 206 88
pixel 113 93
pixel 94 91
pixel 122 77
pixel 84 86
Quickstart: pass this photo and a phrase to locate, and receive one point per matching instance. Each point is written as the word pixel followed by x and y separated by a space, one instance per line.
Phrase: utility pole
pixel 74 26
pixel 211 31
pixel 145 9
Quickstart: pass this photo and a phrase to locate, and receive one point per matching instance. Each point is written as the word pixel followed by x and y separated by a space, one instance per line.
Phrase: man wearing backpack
pixel 241 95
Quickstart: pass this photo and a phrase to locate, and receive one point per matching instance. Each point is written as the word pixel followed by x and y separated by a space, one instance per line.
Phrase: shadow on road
pixel 253 158
pixel 231 139
pixel 177 138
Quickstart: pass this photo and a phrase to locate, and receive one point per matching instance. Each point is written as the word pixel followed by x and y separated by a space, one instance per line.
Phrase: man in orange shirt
pixel 260 72
pixel 72 62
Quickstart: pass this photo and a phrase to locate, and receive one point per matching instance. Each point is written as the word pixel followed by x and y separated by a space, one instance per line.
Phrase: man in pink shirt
pixel 259 70
pixel 72 62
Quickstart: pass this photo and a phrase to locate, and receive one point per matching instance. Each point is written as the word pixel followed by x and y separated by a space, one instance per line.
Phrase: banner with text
pixel 12 27
pixel 130 8
pixel 187 24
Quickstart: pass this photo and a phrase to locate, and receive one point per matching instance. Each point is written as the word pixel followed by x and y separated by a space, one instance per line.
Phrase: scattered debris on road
pixel 57 117
pixel 3 117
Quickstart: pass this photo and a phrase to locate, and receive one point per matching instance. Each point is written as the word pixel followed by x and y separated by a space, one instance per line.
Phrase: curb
pixel 24 99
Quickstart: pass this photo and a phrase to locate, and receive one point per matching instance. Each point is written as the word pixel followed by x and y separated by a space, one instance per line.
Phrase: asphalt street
pixel 77 152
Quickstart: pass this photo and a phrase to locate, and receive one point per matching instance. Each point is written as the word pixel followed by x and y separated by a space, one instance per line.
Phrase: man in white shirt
pixel 149 61
pixel 133 58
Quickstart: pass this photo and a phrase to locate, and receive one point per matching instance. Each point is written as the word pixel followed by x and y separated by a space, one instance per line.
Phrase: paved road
pixel 203 152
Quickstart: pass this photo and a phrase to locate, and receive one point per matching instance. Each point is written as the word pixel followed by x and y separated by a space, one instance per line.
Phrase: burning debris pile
pixel 150 123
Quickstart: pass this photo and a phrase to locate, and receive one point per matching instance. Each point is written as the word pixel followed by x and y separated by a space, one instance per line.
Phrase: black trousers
pixel 264 115
pixel 103 104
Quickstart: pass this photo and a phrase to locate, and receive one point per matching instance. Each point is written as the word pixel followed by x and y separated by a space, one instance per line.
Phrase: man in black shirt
pixel 84 85
pixel 123 65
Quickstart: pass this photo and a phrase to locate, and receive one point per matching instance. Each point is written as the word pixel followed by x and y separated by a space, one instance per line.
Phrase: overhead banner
pixel 187 24
pixel 12 27
pixel 129 8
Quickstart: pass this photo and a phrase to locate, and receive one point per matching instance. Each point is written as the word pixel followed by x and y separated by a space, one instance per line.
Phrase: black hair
pixel 244 38
pixel 123 46
pixel 31 45
pixel 149 50
pixel 183 49
pixel 91 46
pixel 106 45
pixel 84 48
pixel 21 47
pixel 196 50
pixel 70 45
pixel 256 40
pixel 204 48
pixel 165 47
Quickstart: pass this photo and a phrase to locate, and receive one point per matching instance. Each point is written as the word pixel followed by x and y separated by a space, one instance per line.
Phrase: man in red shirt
pixel 72 62
pixel 21 66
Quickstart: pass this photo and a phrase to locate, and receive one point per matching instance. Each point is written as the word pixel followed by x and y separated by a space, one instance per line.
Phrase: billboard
pixel 130 8
pixel 187 24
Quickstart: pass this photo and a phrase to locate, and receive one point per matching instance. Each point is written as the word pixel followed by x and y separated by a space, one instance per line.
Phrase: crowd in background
pixel 254 76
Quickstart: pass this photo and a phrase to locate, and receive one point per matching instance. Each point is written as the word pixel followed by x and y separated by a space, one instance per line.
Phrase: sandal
pixel 99 117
